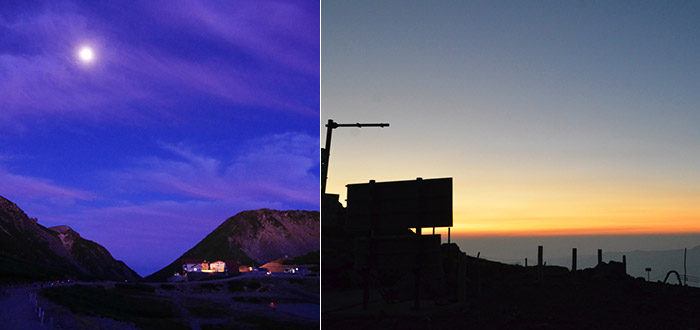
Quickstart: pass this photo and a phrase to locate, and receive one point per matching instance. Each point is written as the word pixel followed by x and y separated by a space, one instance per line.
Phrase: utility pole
pixel 326 153
pixel 685 269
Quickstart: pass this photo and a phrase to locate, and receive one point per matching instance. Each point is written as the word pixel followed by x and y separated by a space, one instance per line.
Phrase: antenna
pixel 326 153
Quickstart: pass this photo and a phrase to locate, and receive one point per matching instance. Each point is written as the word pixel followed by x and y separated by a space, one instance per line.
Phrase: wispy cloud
pixel 269 50
pixel 276 31
pixel 14 185
pixel 274 168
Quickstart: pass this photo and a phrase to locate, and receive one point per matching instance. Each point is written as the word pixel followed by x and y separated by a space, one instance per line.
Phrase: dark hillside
pixel 31 252
pixel 254 238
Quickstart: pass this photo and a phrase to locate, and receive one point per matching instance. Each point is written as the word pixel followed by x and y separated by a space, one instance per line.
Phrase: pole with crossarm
pixel 326 153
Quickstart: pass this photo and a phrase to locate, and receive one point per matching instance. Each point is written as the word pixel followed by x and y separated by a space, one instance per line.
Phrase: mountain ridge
pixel 30 251
pixel 254 237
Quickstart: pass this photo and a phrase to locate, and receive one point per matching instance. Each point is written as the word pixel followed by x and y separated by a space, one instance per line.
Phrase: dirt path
pixel 16 311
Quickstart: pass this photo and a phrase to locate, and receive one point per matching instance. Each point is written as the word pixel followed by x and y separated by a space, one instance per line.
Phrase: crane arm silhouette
pixel 326 153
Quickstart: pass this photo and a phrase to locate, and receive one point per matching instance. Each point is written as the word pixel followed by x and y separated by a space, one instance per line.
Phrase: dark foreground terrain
pixel 503 296
pixel 249 301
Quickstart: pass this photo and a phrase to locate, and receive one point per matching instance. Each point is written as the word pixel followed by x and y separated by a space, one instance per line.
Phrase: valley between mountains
pixel 80 285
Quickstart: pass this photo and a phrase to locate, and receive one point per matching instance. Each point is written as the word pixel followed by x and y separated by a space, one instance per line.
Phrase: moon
pixel 86 54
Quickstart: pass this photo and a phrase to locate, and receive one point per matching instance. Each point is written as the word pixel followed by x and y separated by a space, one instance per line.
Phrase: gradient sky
pixel 553 117
pixel 190 112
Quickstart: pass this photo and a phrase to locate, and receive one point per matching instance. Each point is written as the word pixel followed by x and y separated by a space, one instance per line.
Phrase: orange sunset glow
pixel 498 204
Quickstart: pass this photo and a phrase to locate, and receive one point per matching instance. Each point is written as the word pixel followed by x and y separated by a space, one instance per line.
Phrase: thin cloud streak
pixel 35 188
pixel 279 169
pixel 45 77
pixel 264 28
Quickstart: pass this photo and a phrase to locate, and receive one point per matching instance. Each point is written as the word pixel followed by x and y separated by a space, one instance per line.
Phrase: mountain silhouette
pixel 254 238
pixel 31 252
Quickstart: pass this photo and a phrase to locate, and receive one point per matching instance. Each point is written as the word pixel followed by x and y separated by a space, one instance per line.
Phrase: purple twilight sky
pixel 186 113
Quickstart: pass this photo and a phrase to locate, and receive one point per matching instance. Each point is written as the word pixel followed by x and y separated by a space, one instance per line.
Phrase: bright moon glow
pixel 86 54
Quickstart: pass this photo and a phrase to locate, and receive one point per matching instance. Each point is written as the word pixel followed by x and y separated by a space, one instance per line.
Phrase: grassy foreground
pixel 140 306
pixel 239 303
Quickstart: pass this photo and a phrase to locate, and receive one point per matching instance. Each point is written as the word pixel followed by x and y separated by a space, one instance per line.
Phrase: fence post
pixel 573 260
pixel 540 269
pixel 600 256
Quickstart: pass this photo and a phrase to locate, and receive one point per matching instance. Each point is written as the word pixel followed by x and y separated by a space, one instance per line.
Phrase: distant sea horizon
pixel 557 250
pixel 517 248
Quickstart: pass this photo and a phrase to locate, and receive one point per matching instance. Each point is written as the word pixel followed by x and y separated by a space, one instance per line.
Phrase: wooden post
pixel 685 270
pixel 624 262
pixel 448 235
pixel 573 259
pixel 600 256
pixel 525 262
pixel 540 269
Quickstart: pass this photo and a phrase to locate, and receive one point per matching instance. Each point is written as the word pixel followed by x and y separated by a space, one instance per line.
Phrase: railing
pixel 46 322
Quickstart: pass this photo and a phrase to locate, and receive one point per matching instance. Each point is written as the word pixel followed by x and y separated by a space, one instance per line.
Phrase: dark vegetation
pixel 14 268
pixel 135 287
pixel 311 258
pixel 251 300
pixel 133 304
pixel 205 308
pixel 212 287
pixel 168 287
pixel 215 276
pixel 271 323
pixel 243 286
pixel 174 306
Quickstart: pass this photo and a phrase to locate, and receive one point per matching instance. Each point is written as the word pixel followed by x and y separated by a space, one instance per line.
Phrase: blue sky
pixel 189 112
